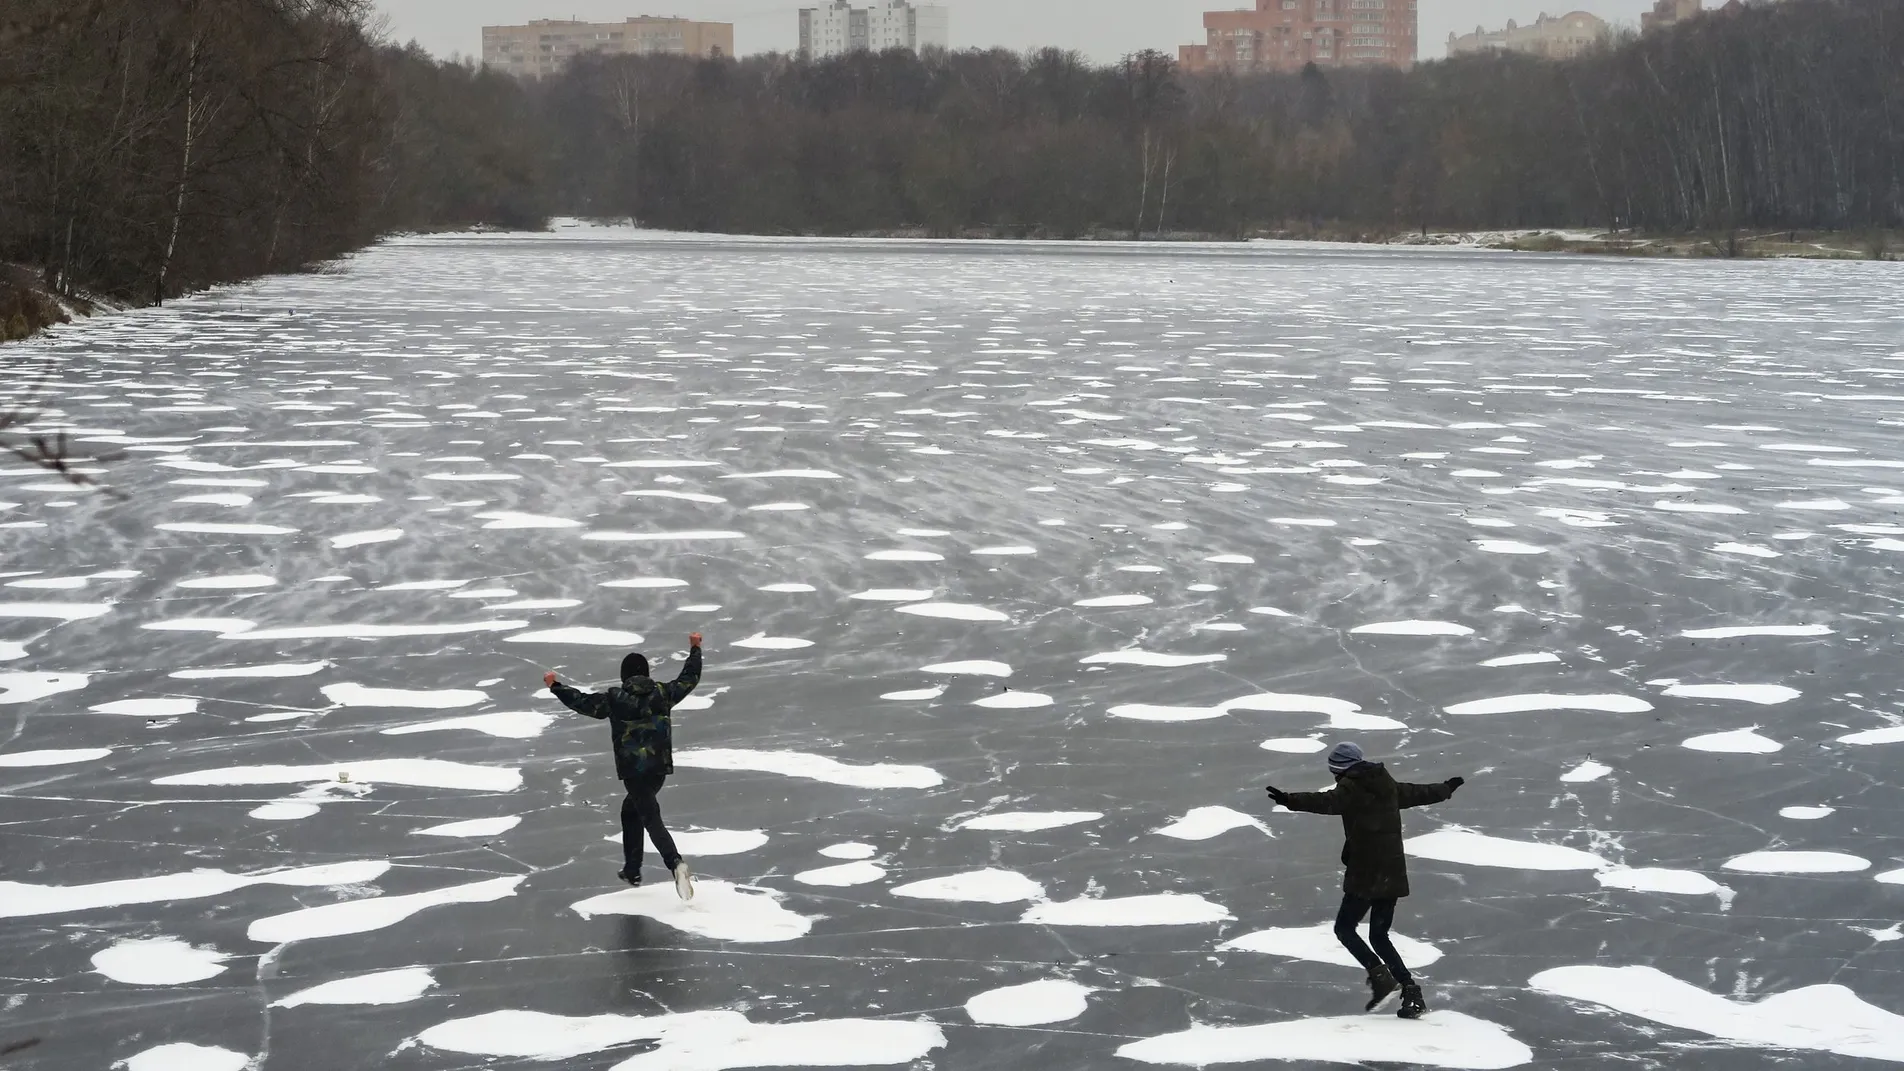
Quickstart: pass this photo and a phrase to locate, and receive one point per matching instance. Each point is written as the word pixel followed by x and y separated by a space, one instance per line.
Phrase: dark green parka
pixel 1370 802
pixel 640 717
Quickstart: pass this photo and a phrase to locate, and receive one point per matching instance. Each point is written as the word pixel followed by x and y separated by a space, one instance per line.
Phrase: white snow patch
pixel 1439 1039
pixel 158 961
pixel 720 911
pixel 581 636
pixel 893 594
pixel 358 695
pixel 1133 657
pixel 1797 862
pixel 1155 909
pixel 810 766
pixel 1538 701
pixel 1532 659
pixel 60 611
pixel 1817 1018
pixel 474 827
pixel 25 687
pixel 761 642
pixel 955 611
pixel 1030 821
pixel 422 773
pixel 276 669
pixel 184 1056
pixel 1317 944
pixel 1009 700
pixel 20 899
pixel 851 849
pixel 1205 823
pixel 691 1041
pixel 398 986
pixel 1737 741
pixel 510 724
pixel 374 913
pixel 1661 880
pixel 988 886
pixel 1053 1000
pixel 914 694
pixel 1507 546
pixel 229 583
pixel 1115 600
pixel 1806 814
pixel 53 756
pixel 1455 845
pixel 1412 628
pixel 1738 631
pixel 358 539
pixel 163 707
pixel 843 875
pixel 640 582
pixel 1586 771
pixel 974 667
pixel 1892 735
pixel 1293 745
pixel 904 556
pixel 1762 694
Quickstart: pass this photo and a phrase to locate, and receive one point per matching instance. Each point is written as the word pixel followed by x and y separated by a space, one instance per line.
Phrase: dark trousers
pixel 1381 915
pixel 641 812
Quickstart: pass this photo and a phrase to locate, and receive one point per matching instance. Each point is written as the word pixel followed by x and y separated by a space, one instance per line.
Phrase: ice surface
pixel 1439 1039
pixel 357 695
pixel 1815 1018
pixel 1051 1000
pixel 1028 425
pixel 954 611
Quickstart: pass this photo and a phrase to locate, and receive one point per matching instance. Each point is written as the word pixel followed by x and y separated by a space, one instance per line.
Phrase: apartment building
pixel 1286 35
pixel 840 27
pixel 545 46
pixel 1554 37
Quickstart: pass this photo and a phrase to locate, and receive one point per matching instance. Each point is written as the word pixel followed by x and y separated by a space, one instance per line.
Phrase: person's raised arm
pixel 589 703
pixel 678 688
pixel 1313 802
pixel 1412 795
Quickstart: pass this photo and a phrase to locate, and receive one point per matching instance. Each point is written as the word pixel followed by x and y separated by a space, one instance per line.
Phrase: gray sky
pixel 1101 29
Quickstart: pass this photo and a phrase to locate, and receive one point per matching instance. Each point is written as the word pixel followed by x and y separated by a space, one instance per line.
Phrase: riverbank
pixel 28 306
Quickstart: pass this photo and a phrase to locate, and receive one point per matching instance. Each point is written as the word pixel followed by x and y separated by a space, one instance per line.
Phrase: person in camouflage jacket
pixel 640 716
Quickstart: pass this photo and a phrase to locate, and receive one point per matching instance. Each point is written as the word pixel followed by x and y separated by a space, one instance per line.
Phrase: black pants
pixel 1381 915
pixel 641 812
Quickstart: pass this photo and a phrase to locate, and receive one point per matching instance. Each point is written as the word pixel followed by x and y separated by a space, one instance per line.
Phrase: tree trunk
pixel 185 172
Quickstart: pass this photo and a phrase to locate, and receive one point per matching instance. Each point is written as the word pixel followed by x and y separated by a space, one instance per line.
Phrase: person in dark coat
pixel 1370 802
pixel 640 716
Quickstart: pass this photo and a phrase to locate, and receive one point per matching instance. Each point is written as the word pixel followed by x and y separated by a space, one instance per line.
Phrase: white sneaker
pixel 683 880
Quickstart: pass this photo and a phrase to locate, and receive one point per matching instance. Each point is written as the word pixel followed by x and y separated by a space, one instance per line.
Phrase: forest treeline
pixel 149 147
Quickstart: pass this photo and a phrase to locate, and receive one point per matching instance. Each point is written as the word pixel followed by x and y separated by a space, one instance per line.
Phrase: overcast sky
pixel 1101 29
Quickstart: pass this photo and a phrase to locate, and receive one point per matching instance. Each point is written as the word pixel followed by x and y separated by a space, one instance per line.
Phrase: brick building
pixel 1284 35
pixel 545 46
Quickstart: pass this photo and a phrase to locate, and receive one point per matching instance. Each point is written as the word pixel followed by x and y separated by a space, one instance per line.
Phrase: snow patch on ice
pixel 422 773
pixel 1440 1039
pixel 1817 1018
pixel 21 900
pixel 1205 823
pixel 720 911
pixel 1052 1000
pixel 1454 845
pixel 398 986
pixel 1797 862
pixel 1540 701
pixel 358 695
pixel 690 1041
pixel 1762 694
pixel 374 913
pixel 474 827
pixel 988 886
pixel 1317 944
pixel 1155 909
pixel 810 766
pixel 581 636
pixel 158 961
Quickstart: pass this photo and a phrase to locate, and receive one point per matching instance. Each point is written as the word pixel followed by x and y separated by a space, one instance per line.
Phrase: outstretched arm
pixel 1313 802
pixel 678 688
pixel 1411 795
pixel 589 703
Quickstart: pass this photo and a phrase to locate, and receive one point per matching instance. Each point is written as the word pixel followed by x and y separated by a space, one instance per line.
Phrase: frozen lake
pixel 1023 568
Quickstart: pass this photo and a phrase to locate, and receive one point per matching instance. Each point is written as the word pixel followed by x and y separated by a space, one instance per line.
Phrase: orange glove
pixel 548 679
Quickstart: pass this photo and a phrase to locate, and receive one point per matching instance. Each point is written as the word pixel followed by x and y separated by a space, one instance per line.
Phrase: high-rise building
pixel 1284 35
pixel 545 46
pixel 1553 37
pixel 840 27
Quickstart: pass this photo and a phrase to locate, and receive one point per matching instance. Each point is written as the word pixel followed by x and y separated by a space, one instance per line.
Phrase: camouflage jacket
pixel 640 717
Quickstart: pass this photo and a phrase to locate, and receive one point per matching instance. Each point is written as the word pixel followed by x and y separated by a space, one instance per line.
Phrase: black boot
pixel 1381 983
pixel 1412 1004
pixel 631 877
